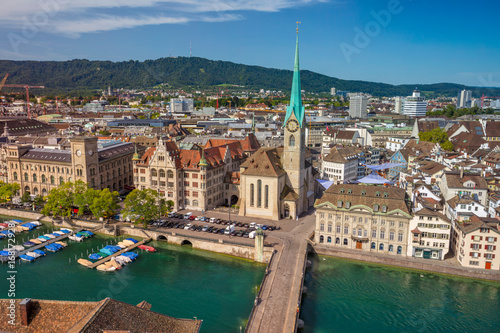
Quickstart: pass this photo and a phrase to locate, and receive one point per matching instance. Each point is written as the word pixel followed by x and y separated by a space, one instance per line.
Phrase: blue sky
pixel 410 42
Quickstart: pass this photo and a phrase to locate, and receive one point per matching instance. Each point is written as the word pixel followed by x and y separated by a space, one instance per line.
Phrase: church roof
pixel 264 162
pixel 288 194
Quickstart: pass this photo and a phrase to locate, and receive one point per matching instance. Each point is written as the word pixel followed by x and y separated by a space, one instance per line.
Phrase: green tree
pixel 105 204
pixel 142 206
pixel 7 191
pixel 62 200
pixel 447 145
pixel 38 200
pixel 170 205
pixel 26 197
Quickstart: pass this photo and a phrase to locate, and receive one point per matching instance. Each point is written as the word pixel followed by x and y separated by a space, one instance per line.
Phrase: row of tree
pixel 452 112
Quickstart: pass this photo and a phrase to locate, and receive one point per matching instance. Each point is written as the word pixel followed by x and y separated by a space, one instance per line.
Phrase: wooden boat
pixel 127 242
pixel 105 268
pixel 36 241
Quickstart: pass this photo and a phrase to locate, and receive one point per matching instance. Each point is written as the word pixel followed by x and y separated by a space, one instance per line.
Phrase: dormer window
pixel 339 204
pixel 363 192
pixel 377 194
pixel 347 204
pixel 342 191
pixel 384 209
pixel 375 208
pixel 386 194
pixel 349 191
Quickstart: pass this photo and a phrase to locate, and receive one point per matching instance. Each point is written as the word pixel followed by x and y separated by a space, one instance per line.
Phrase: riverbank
pixel 411 263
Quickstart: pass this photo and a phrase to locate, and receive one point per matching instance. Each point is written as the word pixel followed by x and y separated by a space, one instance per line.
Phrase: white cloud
pixel 75 17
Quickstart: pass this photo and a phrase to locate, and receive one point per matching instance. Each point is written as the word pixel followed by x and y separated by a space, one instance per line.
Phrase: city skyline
pixel 381 41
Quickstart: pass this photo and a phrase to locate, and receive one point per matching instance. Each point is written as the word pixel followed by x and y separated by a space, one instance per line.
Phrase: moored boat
pixel 39 252
pixel 29 244
pixel 75 238
pixel 49 236
pixel 26 257
pixel 33 254
pixel 95 256
pixel 36 241
pixel 147 248
pixel 63 244
pixel 84 262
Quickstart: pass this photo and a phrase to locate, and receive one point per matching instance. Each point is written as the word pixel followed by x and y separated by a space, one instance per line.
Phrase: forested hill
pixel 78 75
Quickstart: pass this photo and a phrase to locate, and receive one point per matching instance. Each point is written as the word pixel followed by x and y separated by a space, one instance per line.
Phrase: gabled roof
pixel 454 180
pixel 492 129
pixel 288 194
pixel 432 168
pixel 264 162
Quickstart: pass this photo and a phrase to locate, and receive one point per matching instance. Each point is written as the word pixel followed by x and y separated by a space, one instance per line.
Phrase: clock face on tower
pixel 78 153
pixel 292 125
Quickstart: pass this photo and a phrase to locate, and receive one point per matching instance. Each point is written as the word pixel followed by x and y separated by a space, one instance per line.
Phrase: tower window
pixel 292 141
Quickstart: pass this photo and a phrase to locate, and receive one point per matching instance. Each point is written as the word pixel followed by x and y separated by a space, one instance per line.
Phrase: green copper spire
pixel 295 106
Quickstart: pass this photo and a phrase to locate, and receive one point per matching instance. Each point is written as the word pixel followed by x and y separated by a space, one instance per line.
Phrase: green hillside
pixel 84 75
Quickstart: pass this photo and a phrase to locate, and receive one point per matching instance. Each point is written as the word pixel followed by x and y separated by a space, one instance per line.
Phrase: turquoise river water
pixel 177 281
pixel 348 296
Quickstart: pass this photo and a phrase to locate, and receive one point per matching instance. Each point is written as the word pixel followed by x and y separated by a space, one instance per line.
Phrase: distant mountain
pixel 85 75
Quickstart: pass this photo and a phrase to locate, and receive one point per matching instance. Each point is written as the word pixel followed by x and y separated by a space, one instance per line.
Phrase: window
pixel 489 256
pixel 252 194
pixel 375 208
pixel 61 180
pixel 52 180
pixel 373 246
pixel 374 233
pixel 474 254
pixel 26 177
pixel 259 193
pixel 401 224
pixel 345 241
pixel 337 240
pixel 381 247
pixel 266 196
pixel 360 232
pixel 391 248
pixel 292 141
pixel 489 247
pixel 400 237
pixel 384 209
pixel 329 227
pixel 15 175
pixel 391 235
pixel 363 192
pixel 337 229
pixel 329 239
pixel 321 239
pixel 154 173
pixel 475 246
pixel 346 229
pixel 382 234
pixel 347 204
pixel 377 194
pixel 339 203
pixel 474 263
pixel 322 227
pixel 195 202
pixel 162 173
pixel 400 249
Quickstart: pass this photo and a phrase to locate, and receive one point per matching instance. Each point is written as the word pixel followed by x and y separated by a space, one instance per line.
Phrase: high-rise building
pixel 357 106
pixel 398 104
pixel 181 105
pixel 333 91
pixel 464 99
pixel 415 105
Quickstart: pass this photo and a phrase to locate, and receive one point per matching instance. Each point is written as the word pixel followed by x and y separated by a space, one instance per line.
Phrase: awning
pixel 373 178
pixel 383 166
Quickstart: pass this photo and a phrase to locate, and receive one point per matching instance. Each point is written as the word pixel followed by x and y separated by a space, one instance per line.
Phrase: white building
pixel 464 99
pixel 333 91
pixel 358 106
pixel 340 165
pixel 398 104
pixel 395 144
pixel 181 105
pixel 430 234
pixel 415 105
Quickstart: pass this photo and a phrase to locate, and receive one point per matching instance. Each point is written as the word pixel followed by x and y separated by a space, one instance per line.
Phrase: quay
pixel 131 247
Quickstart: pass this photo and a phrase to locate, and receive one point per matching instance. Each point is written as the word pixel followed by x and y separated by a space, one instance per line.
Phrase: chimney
pixel 25 309
pixel 461 172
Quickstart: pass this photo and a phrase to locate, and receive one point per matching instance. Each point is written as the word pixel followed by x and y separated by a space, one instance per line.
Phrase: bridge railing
pixel 259 294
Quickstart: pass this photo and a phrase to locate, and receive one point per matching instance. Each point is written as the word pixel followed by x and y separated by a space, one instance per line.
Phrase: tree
pixel 38 200
pixel 447 145
pixel 61 201
pixel 7 191
pixel 169 205
pixel 142 206
pixel 26 197
pixel 105 204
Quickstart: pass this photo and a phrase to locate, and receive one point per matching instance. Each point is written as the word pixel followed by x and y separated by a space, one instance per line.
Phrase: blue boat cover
pixel 18 221
pixel 65 231
pixel 94 256
pixel 28 243
pixel 132 240
pixel 4 253
pixel 40 252
pixel 26 257
pixel 107 251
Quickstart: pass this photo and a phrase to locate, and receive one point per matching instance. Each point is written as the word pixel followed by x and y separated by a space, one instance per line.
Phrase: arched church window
pixel 259 193
pixel 292 141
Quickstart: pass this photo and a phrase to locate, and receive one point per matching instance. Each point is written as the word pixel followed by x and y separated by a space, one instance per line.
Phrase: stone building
pixel 100 164
pixel 363 217
pixel 191 178
pixel 280 182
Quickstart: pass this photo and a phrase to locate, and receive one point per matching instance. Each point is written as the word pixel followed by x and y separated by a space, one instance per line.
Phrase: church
pixel 278 183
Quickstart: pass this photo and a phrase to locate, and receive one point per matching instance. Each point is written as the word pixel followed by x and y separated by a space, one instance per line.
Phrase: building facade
pixel 367 218
pixel 358 106
pixel 99 164
pixel 430 234
pixel 415 105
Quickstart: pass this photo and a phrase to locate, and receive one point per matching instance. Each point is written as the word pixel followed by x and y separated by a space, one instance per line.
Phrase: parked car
pixel 188 226
pixel 215 230
pixel 204 228
pixel 213 220
pixel 192 218
pixel 188 215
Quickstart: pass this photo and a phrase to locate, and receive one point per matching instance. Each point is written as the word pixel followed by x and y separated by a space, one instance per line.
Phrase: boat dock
pixel 131 247
pixel 39 246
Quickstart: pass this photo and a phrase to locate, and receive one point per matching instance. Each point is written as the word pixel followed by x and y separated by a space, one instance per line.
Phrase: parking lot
pixel 212 225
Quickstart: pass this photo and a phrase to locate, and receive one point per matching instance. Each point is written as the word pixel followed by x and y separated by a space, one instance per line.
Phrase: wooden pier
pixel 106 259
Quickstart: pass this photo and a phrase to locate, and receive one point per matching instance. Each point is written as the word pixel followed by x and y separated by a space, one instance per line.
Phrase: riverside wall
pixel 25 214
pixel 213 245
pixel 437 267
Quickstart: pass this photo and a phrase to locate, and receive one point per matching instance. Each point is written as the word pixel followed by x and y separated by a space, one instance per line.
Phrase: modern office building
pixel 415 105
pixel 464 99
pixel 358 106
pixel 181 105
pixel 398 104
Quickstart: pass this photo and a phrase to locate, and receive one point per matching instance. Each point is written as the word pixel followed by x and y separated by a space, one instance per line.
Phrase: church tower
pixel 294 139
